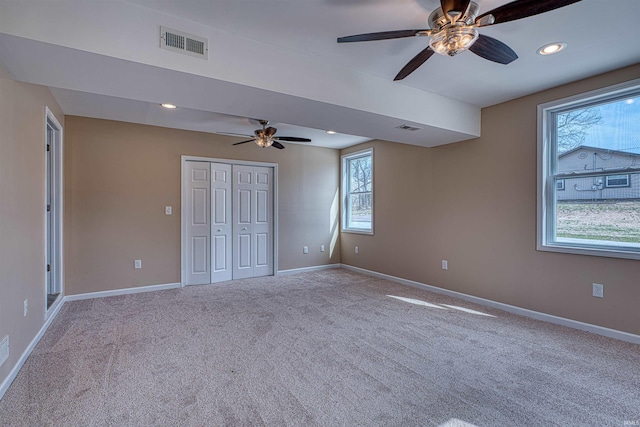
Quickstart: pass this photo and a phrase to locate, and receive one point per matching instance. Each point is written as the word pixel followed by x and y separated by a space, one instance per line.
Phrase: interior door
pixel 221 223
pixel 243 201
pixel 263 221
pixel 52 291
pixel 252 221
pixel 228 222
pixel 198 227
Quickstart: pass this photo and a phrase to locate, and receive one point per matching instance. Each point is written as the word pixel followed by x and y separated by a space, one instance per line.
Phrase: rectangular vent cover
pixel 4 349
pixel 409 128
pixel 188 44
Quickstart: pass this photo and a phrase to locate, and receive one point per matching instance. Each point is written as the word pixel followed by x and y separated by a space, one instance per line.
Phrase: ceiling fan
pixel 454 29
pixel 265 137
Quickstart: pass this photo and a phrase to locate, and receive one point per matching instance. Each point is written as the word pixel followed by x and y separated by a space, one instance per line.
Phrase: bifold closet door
pixel 198 222
pixel 229 222
pixel 252 221
pixel 221 224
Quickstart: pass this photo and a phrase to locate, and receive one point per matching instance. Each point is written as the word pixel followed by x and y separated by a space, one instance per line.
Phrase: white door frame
pixel 57 189
pixel 183 224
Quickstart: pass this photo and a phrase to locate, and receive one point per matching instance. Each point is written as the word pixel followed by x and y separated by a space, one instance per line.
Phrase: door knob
pixel 219 230
pixel 244 228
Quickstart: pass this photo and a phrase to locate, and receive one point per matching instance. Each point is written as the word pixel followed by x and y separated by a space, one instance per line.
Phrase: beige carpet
pixel 328 348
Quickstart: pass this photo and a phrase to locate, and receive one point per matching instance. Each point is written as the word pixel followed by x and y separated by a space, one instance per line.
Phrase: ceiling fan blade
pixel 384 35
pixel 458 7
pixel 523 8
pixel 270 131
pixel 292 139
pixel 244 142
pixel 413 65
pixel 277 145
pixel 493 50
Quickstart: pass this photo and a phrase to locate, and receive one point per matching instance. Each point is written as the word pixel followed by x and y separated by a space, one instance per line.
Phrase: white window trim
pixel 345 193
pixel 545 188
pixel 607 177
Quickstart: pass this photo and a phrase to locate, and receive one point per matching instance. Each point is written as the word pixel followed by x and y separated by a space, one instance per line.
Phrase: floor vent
pixel 4 349
pixel 188 44
pixel 407 127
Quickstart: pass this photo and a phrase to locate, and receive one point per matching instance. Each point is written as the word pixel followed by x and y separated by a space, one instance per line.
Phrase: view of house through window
pixel 592 180
pixel 357 190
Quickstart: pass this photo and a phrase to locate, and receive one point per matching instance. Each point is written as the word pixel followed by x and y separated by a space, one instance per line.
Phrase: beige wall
pixel 474 204
pixel 120 176
pixel 22 212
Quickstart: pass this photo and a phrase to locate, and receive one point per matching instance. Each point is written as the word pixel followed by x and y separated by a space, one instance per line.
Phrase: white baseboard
pixel 308 269
pixel 103 294
pixel 25 354
pixel 600 330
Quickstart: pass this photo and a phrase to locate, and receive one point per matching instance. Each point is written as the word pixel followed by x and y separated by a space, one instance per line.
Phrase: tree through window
pixel 589 173
pixel 357 190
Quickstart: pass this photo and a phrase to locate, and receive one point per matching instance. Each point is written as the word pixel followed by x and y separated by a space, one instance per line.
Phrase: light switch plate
pixel 168 210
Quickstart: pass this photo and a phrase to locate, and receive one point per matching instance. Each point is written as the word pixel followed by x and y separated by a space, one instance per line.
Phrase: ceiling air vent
pixel 407 127
pixel 180 42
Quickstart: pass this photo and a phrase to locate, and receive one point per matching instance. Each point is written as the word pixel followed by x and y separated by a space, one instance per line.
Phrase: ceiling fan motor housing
pixel 453 34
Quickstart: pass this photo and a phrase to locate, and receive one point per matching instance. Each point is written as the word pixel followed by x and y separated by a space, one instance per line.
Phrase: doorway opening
pixel 53 210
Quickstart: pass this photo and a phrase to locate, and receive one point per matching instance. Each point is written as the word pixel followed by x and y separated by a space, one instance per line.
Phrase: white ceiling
pixel 279 60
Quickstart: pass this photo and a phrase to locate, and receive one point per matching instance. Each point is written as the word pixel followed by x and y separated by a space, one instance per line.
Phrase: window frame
pixel 607 185
pixel 546 159
pixel 346 193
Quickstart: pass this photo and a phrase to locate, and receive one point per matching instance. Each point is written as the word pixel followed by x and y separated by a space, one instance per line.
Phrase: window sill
pixel 617 252
pixel 356 231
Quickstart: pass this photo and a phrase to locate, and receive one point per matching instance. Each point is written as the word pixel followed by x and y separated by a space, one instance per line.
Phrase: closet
pixel 228 221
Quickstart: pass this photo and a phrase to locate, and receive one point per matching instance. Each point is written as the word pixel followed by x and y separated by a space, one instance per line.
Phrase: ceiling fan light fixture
pixel 263 138
pixel 551 48
pixel 264 142
pixel 453 40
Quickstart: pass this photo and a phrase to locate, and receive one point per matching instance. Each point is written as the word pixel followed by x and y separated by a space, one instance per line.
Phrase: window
pixel 589 173
pixel 357 192
pixel 616 181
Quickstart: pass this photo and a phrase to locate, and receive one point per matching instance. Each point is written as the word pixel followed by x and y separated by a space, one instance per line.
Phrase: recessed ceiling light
pixel 630 101
pixel 331 132
pixel 169 106
pixel 551 48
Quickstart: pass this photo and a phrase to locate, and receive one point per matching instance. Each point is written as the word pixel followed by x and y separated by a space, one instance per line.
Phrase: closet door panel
pixel 198 222
pixel 221 223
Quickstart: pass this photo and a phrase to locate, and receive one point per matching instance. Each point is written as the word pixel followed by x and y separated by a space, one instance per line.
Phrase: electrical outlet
pixel 137 264
pixel 357 250
pixel 26 307
pixel 598 290
pixel 445 264
pixel 168 210
pixel 305 249
pixel 321 248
